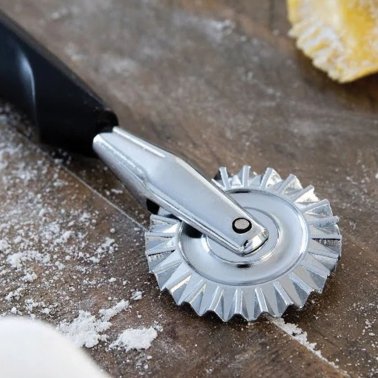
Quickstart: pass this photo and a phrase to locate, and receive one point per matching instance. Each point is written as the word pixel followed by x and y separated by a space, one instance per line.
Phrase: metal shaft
pixel 152 173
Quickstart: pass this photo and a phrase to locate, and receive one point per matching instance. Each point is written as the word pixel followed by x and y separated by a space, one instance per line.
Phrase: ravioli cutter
pixel 241 244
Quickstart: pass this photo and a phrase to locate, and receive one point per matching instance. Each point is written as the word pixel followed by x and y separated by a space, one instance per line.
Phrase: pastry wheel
pixel 241 244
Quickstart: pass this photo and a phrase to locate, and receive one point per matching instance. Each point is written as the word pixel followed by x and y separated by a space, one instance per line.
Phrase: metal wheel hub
pixel 288 235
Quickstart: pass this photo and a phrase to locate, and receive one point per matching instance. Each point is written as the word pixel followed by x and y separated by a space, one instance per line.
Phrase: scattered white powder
pixel 31 304
pixel 136 295
pixel 4 246
pixel 14 295
pixel 64 236
pixel 135 338
pixel 44 235
pixel 109 246
pixel 87 330
pixel 109 313
pixel 299 335
pixel 14 311
pixel 17 259
pixel 29 276
pixel 46 311
pixel 59 265
pixel 116 191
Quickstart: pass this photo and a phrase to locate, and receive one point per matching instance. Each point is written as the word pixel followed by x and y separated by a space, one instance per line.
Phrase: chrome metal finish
pixel 154 174
pixel 303 248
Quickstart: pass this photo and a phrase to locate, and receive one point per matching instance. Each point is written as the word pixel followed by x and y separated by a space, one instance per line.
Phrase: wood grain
pixel 221 84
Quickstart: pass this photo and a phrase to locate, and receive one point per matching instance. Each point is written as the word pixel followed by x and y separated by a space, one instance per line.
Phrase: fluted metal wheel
pixel 303 248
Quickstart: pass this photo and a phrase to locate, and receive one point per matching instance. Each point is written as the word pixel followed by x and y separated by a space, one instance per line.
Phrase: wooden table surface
pixel 219 83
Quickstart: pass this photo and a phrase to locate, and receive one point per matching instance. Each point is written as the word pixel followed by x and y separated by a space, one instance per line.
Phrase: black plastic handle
pixel 65 111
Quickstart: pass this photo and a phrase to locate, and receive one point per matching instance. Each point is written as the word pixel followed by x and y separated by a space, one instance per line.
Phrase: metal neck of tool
pixel 161 177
